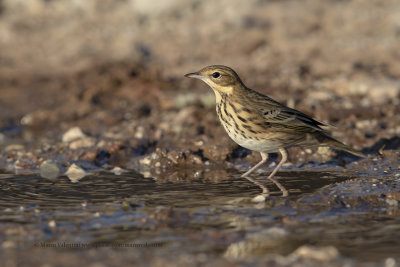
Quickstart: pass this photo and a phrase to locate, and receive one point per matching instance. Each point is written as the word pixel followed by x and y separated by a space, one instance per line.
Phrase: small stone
pixel 392 202
pixel 84 142
pixel 118 170
pixel 216 152
pixel 317 253
pixel 199 143
pixel 52 224
pixel 308 151
pixel 145 161
pixel 101 143
pixel 2 138
pixel 73 134
pixel 390 262
pixel 194 159
pixel 8 244
pixel 139 134
pixel 49 170
pixel 322 150
pixel 14 147
pixel 258 199
pixel 174 156
pixel 146 174
pixel 28 119
pixel 75 173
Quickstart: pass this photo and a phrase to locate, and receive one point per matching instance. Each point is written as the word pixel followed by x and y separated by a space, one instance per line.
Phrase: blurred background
pixel 97 64
pixel 329 37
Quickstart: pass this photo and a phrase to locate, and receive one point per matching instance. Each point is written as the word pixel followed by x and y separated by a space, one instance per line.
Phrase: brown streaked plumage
pixel 260 123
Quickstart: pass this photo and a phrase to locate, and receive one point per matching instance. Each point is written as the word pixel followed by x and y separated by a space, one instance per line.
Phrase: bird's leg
pixel 264 158
pixel 270 177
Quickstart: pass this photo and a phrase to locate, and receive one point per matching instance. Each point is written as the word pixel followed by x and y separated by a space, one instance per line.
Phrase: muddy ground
pixel 95 113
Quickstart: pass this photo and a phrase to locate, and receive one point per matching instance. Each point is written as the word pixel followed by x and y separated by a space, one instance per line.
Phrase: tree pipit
pixel 261 124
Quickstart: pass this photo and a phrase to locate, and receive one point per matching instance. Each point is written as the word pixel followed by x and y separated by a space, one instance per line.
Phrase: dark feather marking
pixel 219 109
pixel 248 127
pixel 236 125
pixel 241 118
pixel 252 119
pixel 245 110
pixel 225 121
pixel 233 107
pixel 263 124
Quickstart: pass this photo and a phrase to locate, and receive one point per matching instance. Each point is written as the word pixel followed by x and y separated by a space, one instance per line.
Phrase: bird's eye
pixel 216 74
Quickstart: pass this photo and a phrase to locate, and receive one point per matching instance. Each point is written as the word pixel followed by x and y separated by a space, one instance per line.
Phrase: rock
pixel 9 244
pixel 27 119
pixel 83 142
pixel 140 132
pixel 322 150
pixel 216 153
pixel 75 173
pixel 73 134
pixel 145 161
pixel 14 147
pixel 118 170
pixel 317 253
pixel 49 170
pixel 52 224
pixel 259 198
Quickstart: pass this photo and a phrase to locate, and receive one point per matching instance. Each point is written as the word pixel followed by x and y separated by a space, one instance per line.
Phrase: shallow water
pixel 201 216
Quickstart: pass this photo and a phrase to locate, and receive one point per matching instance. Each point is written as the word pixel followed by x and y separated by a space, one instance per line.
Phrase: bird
pixel 259 123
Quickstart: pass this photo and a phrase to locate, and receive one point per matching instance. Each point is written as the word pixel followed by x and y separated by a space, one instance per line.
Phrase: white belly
pixel 263 145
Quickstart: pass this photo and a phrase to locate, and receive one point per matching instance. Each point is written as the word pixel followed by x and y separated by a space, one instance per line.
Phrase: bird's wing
pixel 277 113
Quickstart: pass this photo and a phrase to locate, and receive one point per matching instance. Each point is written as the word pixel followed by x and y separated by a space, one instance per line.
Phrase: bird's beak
pixel 194 75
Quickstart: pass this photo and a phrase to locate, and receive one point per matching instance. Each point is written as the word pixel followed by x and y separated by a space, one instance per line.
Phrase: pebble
pixel 322 150
pixel 84 142
pixel 118 170
pixel 14 147
pixel 73 134
pixel 317 253
pixel 49 170
pixel 392 202
pixel 2 138
pixel 52 224
pixel 8 244
pixel 75 173
pixel 390 262
pixel 259 198
pixel 140 132
pixel 145 161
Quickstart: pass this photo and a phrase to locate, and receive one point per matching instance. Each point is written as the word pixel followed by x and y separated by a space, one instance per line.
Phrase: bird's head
pixel 220 78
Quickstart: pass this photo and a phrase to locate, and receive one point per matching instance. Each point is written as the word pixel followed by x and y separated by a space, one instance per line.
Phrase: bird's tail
pixel 329 141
